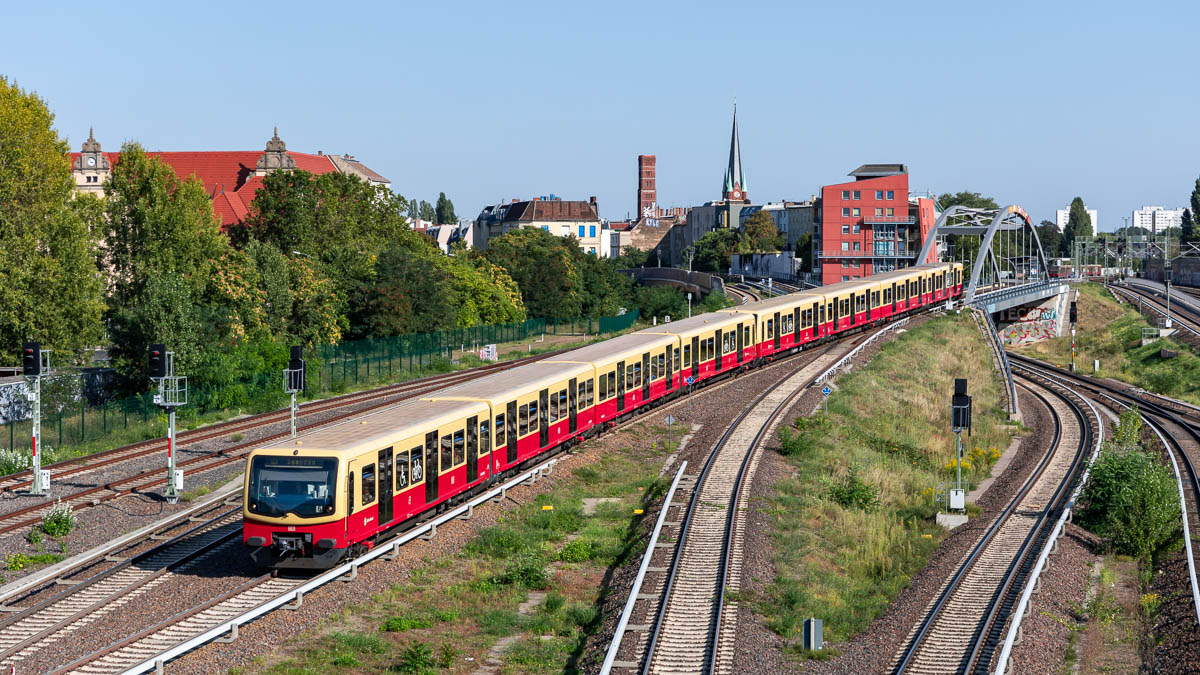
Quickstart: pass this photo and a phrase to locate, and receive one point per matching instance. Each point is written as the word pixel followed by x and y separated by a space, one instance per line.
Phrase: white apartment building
pixel 1063 215
pixel 1157 218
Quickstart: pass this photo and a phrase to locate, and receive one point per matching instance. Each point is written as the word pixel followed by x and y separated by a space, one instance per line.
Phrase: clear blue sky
pixel 1030 102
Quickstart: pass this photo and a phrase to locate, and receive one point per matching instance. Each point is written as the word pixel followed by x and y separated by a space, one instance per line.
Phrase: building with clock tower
pixel 733 189
pixel 91 167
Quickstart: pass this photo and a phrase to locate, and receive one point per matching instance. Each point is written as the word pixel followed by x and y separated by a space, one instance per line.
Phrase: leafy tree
pixel 50 288
pixel 661 301
pixel 804 251
pixel 314 317
pixel 713 250
pixel 426 211
pixel 1079 223
pixel 545 269
pixel 1131 500
pixel 163 248
pixel 444 211
pixel 1051 238
pixel 1188 229
pixel 1192 215
pixel 411 293
pixel 972 200
pixel 761 234
pixel 606 290
pixel 631 257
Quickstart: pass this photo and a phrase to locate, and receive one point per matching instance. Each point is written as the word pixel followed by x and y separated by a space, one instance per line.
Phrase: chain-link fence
pixel 71 422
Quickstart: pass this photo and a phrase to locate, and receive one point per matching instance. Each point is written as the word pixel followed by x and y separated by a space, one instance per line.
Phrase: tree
pixel 631 257
pixel 714 249
pixel 1051 238
pixel 972 200
pixel 545 269
pixel 761 234
pixel 1079 223
pixel 426 212
pixel 444 211
pixel 1194 211
pixel 804 251
pixel 50 288
pixel 1188 229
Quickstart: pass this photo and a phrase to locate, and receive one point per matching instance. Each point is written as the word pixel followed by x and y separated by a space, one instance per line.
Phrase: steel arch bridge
pixel 1008 266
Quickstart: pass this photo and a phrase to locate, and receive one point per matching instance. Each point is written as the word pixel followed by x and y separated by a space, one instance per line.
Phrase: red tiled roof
pixel 228 176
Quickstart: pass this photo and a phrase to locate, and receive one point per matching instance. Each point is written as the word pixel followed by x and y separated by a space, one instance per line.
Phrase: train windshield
pixel 300 486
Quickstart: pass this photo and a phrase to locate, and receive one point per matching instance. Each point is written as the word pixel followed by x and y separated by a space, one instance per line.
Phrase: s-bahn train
pixel 334 493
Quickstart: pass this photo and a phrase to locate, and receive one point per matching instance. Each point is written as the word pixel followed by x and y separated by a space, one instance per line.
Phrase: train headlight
pixel 253 506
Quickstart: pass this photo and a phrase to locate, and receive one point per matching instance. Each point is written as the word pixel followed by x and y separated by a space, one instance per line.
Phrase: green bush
pixel 579 550
pixel 554 602
pixel 12 461
pixel 1131 500
pixel 446 655
pixel 500 542
pixel 399 624
pixel 853 492
pixel 416 658
pixel 527 570
pixel 582 615
pixel 59 520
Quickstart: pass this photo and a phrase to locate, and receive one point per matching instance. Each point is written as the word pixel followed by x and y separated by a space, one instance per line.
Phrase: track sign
pixel 31 359
pixel 157 361
pixel 826 390
pixel 691 380
pixel 670 420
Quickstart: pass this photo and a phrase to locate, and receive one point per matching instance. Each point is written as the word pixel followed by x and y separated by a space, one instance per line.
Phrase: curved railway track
pixel 1186 318
pixel 962 628
pixel 91 496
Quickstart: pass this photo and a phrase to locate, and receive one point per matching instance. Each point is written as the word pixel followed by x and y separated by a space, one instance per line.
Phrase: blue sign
pixel 826 390
pixel 691 379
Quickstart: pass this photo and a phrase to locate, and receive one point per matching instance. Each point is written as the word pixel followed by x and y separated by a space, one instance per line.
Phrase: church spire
pixel 734 187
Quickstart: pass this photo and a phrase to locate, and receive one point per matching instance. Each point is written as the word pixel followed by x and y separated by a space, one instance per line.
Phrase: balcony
pixel 901 252
pixel 889 220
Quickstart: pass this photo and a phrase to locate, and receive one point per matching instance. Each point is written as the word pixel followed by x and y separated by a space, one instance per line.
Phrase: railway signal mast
pixel 172 393
pixel 293 380
pixel 960 420
pixel 35 363
pixel 1074 317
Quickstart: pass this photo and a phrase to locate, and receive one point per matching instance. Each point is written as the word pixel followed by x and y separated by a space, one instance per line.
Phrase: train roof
pixel 509 384
pixel 625 346
pixel 700 322
pixel 375 430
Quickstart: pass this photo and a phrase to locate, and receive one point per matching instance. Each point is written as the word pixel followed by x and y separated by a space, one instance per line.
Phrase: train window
pixel 350 496
pixel 523 413
pixel 460 445
pixel 703 355
pixel 746 336
pixel 887 296
pixel 416 471
pixel 612 384
pixel 653 367
pixel 603 386
pixel 712 347
pixel 485 437
pixel 533 415
pixel 499 430
pixel 662 364
pixel 591 394
pixel 675 355
pixel 368 484
pixel 447 459
pixel 402 469
pixel 770 328
pixel 687 355
pixel 564 406
pixel 553 407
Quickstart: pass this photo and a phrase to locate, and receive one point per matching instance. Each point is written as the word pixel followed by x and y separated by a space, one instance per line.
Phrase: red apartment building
pixel 870 225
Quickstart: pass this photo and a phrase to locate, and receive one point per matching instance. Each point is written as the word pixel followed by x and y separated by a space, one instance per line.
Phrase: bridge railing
pixel 703 283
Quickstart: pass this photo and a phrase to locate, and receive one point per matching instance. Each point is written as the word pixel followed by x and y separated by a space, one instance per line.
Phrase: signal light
pixel 296 363
pixel 31 359
pixel 157 363
pixel 1074 313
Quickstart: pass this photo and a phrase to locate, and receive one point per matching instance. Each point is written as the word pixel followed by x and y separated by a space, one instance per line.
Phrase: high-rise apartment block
pixel 1157 218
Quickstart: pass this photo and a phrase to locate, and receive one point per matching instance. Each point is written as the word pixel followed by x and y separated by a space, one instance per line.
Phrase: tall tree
pixel 973 200
pixel 1051 238
pixel 761 234
pixel 1187 233
pixel 714 249
pixel 444 212
pixel 426 211
pixel 1079 224
pixel 545 270
pixel 1194 204
pixel 50 288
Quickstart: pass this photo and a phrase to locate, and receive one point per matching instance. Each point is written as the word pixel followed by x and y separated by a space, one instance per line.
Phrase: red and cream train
pixel 312 501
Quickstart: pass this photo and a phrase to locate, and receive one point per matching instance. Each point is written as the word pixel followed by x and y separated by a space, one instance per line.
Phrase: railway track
pixel 91 496
pixel 690 631
pixel 27 630
pixel 963 627
pixel 1184 317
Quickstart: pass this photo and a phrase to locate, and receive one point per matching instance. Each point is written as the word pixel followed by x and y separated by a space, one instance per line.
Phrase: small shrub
pixel 346 660
pixel 35 535
pixel 554 602
pixel 445 615
pixel 15 562
pixel 237 437
pixel 853 492
pixel 499 622
pixel 399 624
pixel 579 550
pixel 1149 603
pixel 416 658
pixel 1132 501
pixel 582 615
pixel 12 461
pixel 588 474
pixel 500 542
pixel 59 520
pixel 527 570
pixel 446 655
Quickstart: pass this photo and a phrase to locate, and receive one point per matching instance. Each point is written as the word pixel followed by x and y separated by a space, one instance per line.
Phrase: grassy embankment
pixel 458 606
pixel 1112 332
pixel 855 520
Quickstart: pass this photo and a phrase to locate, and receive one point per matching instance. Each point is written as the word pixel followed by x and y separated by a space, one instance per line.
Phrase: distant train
pixel 313 501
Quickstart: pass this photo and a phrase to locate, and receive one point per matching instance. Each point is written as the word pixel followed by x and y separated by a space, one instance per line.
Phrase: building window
pixel 891 194
pixel 581 230
pixel 546 228
pixel 846 212
pixel 858 194
pixel 845 246
pixel 879 194
pixel 878 213
pixel 857 246
pixel 845 194
pixel 591 230
pixel 856 212
pixel 845 229
pixel 891 212
pixel 845 278
pixel 857 229
pixel 592 250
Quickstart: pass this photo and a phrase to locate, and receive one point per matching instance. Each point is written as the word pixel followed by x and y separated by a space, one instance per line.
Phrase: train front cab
pixel 307 505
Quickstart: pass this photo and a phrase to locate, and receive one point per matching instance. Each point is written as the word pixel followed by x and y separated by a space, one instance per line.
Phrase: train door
pixel 817 310
pixel 777 330
pixel 620 386
pixel 796 325
pixel 719 357
pixel 670 366
pixel 741 333
pixel 573 397
pixel 386 485
pixel 893 298
pixel 544 418
pixel 431 467
pixel 646 376
pixel 510 420
pixel 695 356
pixel 472 449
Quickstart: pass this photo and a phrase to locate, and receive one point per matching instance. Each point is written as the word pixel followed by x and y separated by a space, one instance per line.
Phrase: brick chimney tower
pixel 647 196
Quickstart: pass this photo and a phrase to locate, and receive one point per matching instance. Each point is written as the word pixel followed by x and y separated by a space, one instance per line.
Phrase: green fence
pixel 332 368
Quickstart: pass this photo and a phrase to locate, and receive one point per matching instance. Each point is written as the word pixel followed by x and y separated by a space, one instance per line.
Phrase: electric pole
pixel 293 380
pixel 172 393
pixel 35 363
